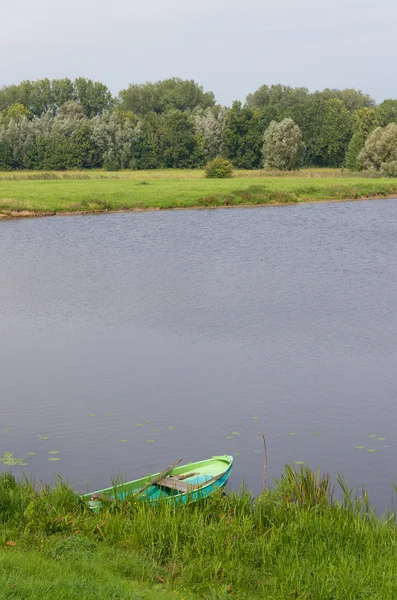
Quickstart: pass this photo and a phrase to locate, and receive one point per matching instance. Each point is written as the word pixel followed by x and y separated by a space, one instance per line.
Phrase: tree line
pixel 65 124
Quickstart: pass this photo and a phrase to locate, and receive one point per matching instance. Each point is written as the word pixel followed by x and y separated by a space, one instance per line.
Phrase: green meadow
pixel 294 541
pixel 50 193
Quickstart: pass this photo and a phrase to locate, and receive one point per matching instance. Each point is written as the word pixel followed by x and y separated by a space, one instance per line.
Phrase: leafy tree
pixel 386 113
pixel 283 147
pixel 71 109
pixel 112 141
pixel 351 98
pixel 242 138
pixel 15 94
pixel 280 96
pixel 209 125
pixel 326 127
pixel 15 111
pixel 148 147
pixel 364 121
pixel 166 95
pixel 380 150
pixel 94 96
pixel 179 140
pixel 44 95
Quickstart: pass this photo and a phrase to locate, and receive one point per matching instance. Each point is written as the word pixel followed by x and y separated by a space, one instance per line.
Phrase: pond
pixel 130 340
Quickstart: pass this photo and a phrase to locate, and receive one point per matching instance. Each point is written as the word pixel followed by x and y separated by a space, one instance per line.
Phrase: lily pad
pixel 53 452
pixel 147 421
pixel 291 433
pixel 255 418
pixel 381 439
pixel 229 437
pixel 91 414
pixel 316 433
pixel 154 430
pixel 43 437
pixel 359 447
pixel 123 440
pixel 111 415
pixel 53 458
pixel 237 454
pixel 372 450
pixel 149 441
pixel 299 462
pixel 139 424
pixel 6 430
pixel 171 427
pixel 30 453
pixel 235 433
pixel 10 460
pixel 373 435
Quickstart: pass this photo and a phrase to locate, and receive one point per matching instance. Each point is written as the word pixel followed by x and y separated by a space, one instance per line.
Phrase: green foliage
pixel 280 96
pixel 242 139
pixel 326 127
pixel 354 148
pixel 273 546
pixel 93 96
pixel 174 123
pixel 209 125
pixel 283 147
pixel 179 140
pixel 285 97
pixel 148 147
pixel 162 96
pixel 363 123
pixel 380 150
pixel 45 95
pixel 218 168
pixel 386 113
pixel 352 99
pixel 15 111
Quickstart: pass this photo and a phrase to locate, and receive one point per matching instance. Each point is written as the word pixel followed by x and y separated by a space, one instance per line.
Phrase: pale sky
pixel 229 46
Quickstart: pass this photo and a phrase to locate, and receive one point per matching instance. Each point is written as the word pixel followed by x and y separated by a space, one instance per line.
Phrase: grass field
pixel 293 542
pixel 25 193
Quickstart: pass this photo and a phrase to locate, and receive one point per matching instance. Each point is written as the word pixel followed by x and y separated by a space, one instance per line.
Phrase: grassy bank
pixel 295 541
pixel 22 194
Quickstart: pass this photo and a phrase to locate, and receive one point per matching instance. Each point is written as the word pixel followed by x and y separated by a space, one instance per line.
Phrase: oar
pixel 158 477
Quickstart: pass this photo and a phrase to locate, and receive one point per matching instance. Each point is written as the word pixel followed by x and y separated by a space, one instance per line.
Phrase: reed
pixel 302 538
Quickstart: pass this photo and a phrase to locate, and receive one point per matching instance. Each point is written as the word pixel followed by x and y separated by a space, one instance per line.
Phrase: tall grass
pixel 293 541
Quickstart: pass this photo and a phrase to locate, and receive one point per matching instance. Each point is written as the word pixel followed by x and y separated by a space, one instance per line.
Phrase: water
pixel 193 324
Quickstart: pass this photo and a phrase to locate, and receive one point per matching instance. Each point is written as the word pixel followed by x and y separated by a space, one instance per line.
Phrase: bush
pixel 283 147
pixel 218 168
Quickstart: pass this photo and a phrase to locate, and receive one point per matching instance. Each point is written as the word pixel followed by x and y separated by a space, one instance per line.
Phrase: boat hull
pixel 201 479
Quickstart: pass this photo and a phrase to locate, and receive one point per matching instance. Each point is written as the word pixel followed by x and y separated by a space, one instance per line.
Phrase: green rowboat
pixel 177 484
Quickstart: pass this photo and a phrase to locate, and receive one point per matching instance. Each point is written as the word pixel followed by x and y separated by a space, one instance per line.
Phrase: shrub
pixel 283 147
pixel 218 168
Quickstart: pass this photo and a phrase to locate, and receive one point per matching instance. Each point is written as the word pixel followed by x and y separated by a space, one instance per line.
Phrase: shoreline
pixel 26 214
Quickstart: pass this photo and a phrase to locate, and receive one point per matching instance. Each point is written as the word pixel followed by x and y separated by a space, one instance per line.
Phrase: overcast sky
pixel 228 46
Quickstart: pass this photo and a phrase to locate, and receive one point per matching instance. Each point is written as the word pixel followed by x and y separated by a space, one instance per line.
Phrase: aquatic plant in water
pixel 10 460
